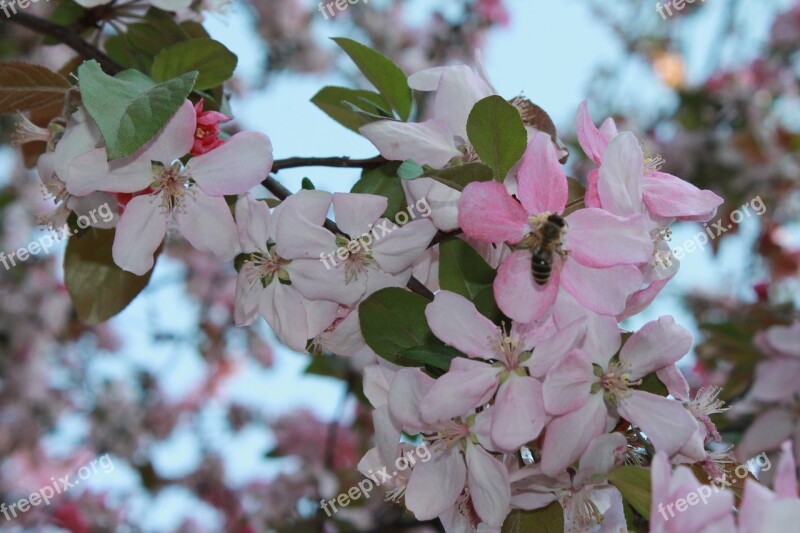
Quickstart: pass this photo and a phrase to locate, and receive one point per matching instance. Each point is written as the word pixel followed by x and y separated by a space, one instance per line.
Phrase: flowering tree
pixel 467 290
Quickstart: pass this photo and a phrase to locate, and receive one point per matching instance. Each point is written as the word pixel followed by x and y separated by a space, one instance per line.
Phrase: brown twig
pixel 66 36
pixel 335 162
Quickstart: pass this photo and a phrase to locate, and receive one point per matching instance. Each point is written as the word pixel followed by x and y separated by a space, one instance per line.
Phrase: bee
pixel 548 243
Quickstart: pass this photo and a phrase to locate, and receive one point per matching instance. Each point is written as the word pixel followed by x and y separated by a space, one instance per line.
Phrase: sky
pixel 549 52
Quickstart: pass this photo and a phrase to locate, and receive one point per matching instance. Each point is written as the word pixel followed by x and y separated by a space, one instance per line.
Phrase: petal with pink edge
pixel 435 485
pixel 234 167
pixel 460 390
pixel 568 385
pixel 488 213
pixel 175 140
pixel 602 290
pixel 549 351
pixel 596 238
pixel 428 143
pixel 542 184
pixel 767 432
pixel 92 172
pixel 519 414
pixel 621 174
pixel 489 487
pixel 517 295
pixel 282 308
pixel 408 388
pixel 399 250
pixel 208 225
pixel 657 344
pixel 568 436
pixel 667 424
pixel 140 230
pixel 458 92
pixel 456 321
pixel 252 220
pixel 671 197
pixel 356 212
pixel 592 141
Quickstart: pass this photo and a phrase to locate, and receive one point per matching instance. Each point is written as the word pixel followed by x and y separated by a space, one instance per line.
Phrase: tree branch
pixel 336 162
pixel 66 36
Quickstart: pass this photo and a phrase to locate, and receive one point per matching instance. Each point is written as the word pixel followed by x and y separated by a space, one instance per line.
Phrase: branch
pixel 336 162
pixel 66 36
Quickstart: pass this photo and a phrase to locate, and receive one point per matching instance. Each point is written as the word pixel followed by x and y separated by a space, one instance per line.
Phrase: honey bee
pixel 548 243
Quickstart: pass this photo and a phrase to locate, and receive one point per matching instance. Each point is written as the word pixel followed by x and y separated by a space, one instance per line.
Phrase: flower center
pixel 358 256
pixel 264 266
pixel 582 511
pixel 616 381
pixel 173 184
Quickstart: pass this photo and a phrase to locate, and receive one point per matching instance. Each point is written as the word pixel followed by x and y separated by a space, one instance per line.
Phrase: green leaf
pixel 549 519
pixel 99 289
pixel 460 176
pixel 462 270
pixel 393 320
pixel 130 109
pixel 307 185
pixel 433 355
pixel 65 13
pixel 352 108
pixel 410 170
pixel 497 133
pixel 487 306
pixel 634 484
pixel 211 59
pixel 652 384
pixel 383 181
pixel 387 77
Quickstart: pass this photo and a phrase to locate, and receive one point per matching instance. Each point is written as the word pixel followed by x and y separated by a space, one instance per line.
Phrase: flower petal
pixel 489 486
pixel 488 213
pixel 282 307
pixel 620 181
pixel 517 295
pixel 671 197
pixel 656 345
pixel 551 350
pixel 568 384
pixel 140 231
pixel 666 422
pixel 519 414
pixel 596 238
pixel 457 322
pixel 408 388
pixel 458 91
pixel 398 250
pixel 467 385
pixel 208 225
pixel 92 172
pixel 252 221
pixel 234 167
pixel 542 184
pixel 428 143
pixel 592 141
pixel 435 485
pixel 355 213
pixel 602 290
pixel 568 436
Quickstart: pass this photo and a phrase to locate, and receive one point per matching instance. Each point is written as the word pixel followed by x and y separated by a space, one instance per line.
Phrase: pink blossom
pixel 191 195
pixel 206 136
pixel 600 249
pixel 583 390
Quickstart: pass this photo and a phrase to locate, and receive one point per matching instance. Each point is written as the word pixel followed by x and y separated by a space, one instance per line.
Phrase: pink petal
pixel 252 219
pixel 355 213
pixel 785 482
pixel 568 384
pixel 175 140
pixel 621 174
pixel 767 432
pixel 542 184
pixel 458 91
pixel 602 290
pixel 551 350
pixel 641 299
pixel 671 197
pixel 785 339
pixel 91 172
pixel 235 167
pixel 467 385
pixel 666 422
pixel 208 225
pixel 140 230
pixel 399 250
pixel 435 485
pixel 319 314
pixel 488 213
pixel 311 205
pixel 568 436
pixel 592 141
pixel 517 295
pixel 603 338
pixel 603 454
pixel 656 345
pixel 427 143
pixel 676 384
pixel 596 238
pixel 248 294
pixel 409 387
pixel 489 486
pixel 591 197
pixel 282 307
pixel 315 281
pixel 519 414
pixel 454 320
